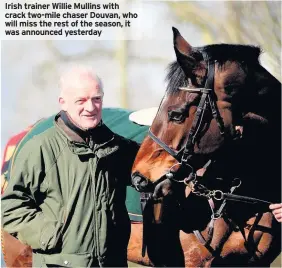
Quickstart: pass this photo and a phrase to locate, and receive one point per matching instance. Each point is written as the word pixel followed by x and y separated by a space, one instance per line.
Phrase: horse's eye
pixel 176 116
pixel 156 154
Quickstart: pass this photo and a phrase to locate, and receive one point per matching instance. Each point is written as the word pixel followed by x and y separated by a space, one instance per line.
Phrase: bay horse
pixel 210 163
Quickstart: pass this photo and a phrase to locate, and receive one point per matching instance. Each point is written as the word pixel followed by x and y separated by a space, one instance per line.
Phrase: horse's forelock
pixel 175 78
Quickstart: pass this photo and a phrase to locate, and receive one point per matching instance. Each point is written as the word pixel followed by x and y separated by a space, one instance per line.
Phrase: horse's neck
pixel 260 149
pixel 266 78
pixel 268 101
pixel 255 160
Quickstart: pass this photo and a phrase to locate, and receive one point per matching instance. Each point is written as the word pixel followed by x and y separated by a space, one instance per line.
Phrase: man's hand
pixel 277 211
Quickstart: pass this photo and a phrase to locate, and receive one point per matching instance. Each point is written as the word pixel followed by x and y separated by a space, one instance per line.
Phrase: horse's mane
pixel 243 54
pixel 175 78
pixel 224 52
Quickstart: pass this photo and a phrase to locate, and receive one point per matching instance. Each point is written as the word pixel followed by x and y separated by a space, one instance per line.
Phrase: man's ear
pixel 62 103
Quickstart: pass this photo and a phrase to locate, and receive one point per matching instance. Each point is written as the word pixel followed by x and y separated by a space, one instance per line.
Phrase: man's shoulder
pixel 123 141
pixel 37 132
pixel 46 137
pixel 46 141
pixel 127 147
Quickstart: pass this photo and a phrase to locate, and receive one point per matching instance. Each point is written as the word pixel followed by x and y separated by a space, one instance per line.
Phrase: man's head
pixel 82 96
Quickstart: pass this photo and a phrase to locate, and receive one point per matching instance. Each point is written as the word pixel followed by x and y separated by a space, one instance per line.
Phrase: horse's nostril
pixel 136 178
pixel 139 182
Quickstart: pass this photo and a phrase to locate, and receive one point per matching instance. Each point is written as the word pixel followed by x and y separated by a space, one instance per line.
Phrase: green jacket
pixel 67 201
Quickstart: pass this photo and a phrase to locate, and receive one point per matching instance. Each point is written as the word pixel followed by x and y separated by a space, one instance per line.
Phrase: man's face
pixel 82 100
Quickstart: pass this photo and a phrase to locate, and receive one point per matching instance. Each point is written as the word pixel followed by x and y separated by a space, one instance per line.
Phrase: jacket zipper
pixel 96 233
pixel 95 212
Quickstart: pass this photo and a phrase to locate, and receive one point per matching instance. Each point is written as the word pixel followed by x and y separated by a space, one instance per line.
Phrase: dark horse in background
pixel 212 160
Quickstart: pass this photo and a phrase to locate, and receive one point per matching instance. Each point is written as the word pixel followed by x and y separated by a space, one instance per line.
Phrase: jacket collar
pixel 78 138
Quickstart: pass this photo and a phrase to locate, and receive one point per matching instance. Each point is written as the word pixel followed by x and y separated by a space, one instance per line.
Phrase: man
pixel 66 195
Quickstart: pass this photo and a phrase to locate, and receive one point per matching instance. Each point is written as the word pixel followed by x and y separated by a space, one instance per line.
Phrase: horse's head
pixel 210 92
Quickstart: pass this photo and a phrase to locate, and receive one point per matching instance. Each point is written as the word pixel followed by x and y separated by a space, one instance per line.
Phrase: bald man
pixel 66 195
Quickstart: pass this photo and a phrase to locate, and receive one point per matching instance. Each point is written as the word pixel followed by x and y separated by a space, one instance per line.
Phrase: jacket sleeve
pixel 129 153
pixel 21 213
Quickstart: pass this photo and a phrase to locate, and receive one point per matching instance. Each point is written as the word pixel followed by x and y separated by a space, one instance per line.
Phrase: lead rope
pixel 144 200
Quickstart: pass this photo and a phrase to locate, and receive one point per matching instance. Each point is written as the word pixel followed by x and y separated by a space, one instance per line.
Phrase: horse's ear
pixel 180 43
pixel 182 51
